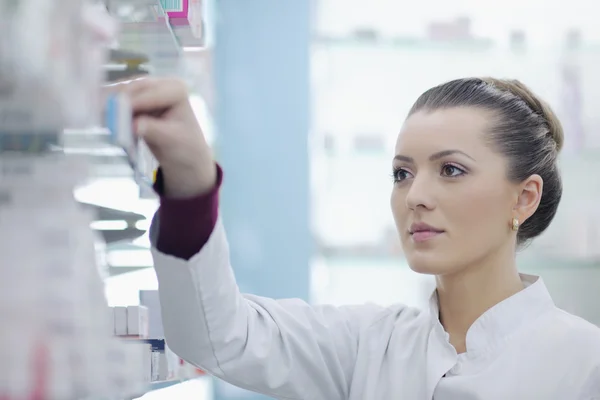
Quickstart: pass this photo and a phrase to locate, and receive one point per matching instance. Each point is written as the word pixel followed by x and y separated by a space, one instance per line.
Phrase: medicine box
pixel 137 321
pixel 120 320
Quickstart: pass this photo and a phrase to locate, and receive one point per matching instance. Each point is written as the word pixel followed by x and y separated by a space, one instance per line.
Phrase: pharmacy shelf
pixel 200 388
pixel 159 385
pixel 145 29
pixel 164 384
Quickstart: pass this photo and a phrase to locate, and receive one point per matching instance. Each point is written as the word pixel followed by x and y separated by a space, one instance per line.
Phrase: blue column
pixel 262 81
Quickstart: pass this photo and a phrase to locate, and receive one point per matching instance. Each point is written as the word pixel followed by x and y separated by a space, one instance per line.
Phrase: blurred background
pixel 302 101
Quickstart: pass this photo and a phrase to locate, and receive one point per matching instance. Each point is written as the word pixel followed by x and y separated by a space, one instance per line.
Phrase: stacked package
pixel 56 341
pixel 56 338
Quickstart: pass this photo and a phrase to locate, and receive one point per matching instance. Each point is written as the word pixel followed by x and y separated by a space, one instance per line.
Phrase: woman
pixel 475 177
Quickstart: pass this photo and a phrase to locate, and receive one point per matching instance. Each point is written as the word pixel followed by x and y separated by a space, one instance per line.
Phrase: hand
pixel 164 119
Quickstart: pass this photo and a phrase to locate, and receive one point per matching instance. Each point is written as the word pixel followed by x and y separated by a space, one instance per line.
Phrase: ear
pixel 529 196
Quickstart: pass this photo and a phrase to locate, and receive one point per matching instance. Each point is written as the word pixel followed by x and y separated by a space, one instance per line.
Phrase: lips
pixel 421 232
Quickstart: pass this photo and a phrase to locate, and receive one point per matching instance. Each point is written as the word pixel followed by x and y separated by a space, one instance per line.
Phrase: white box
pixel 137 321
pixel 163 367
pixel 147 363
pixel 139 355
pixel 120 317
pixel 151 300
pixel 160 368
pixel 155 366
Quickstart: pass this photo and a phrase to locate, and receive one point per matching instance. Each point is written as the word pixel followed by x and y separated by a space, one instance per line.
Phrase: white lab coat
pixel 522 349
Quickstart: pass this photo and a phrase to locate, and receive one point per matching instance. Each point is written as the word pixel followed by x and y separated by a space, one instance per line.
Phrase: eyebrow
pixel 434 156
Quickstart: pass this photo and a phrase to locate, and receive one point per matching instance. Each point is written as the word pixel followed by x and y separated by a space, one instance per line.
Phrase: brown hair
pixel 525 130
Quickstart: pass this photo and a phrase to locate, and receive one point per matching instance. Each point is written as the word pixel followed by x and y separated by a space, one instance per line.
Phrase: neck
pixel 465 296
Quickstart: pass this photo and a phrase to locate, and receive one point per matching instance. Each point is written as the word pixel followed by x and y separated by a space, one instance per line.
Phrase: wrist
pixel 189 183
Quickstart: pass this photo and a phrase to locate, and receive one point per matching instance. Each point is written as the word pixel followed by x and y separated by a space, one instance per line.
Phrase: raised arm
pixel 282 348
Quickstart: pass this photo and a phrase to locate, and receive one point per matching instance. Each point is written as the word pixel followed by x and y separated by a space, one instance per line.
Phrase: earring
pixel 515 224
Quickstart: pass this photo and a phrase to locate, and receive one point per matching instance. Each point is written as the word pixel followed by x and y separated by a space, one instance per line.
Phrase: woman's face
pixel 451 201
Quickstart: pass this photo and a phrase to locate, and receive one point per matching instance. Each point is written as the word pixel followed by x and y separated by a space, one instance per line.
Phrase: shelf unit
pixel 39 167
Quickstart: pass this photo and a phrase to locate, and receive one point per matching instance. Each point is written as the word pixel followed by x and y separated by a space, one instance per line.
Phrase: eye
pixel 400 174
pixel 452 171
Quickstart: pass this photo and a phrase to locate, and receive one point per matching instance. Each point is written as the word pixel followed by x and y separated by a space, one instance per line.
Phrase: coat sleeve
pixel 286 349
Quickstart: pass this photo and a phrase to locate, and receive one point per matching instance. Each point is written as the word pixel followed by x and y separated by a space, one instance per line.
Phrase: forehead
pixel 457 128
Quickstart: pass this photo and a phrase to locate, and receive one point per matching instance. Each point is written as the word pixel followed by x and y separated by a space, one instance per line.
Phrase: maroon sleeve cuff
pixel 185 225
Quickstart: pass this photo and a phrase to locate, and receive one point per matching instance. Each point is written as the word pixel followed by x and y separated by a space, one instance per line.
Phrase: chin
pixel 428 263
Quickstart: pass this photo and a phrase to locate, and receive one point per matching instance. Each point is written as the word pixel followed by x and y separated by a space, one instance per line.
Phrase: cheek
pixel 398 205
pixel 479 208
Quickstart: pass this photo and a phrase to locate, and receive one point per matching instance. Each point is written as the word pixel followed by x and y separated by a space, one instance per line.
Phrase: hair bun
pixel 537 105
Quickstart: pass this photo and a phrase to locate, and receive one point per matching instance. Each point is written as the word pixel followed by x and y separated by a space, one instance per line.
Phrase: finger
pixel 156 95
pixel 154 131
pixel 138 84
pixel 125 86
pixel 116 88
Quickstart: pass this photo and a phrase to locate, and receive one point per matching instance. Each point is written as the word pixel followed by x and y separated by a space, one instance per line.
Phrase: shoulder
pixel 565 349
pixel 362 317
pixel 576 340
pixel 577 328
pixel 359 317
pixel 581 342
pixel 388 318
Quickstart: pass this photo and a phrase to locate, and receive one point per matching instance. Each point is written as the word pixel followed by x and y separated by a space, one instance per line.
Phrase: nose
pixel 421 193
